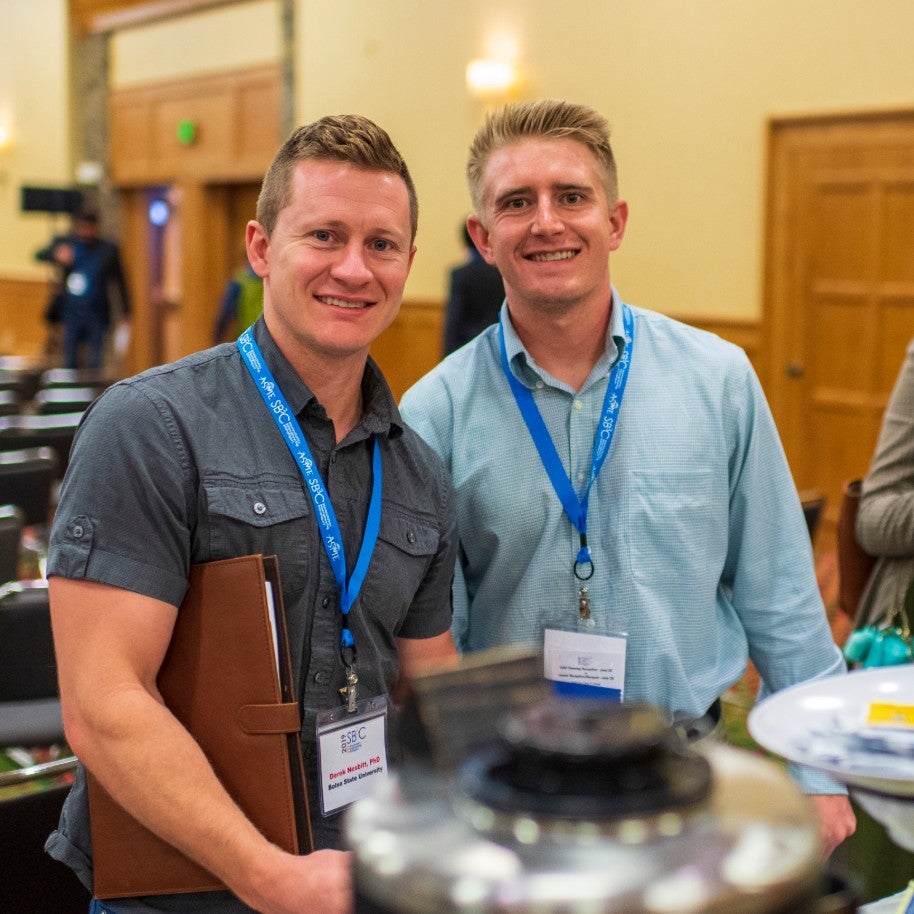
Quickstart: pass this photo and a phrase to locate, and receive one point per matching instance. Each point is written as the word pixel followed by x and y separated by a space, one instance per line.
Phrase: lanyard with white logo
pixel 329 528
pixel 575 508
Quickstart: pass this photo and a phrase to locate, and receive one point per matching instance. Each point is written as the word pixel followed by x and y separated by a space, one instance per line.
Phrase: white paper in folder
pixel 271 607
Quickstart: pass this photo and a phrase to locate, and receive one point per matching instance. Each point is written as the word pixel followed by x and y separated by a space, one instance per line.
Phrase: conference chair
pixel 30 717
pixel 29 701
pixel 10 542
pixel 20 374
pixel 75 377
pixel 10 402
pixel 27 480
pixel 55 431
pixel 52 400
pixel 23 385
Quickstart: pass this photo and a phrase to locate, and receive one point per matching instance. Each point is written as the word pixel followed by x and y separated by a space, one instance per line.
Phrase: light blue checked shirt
pixel 701 552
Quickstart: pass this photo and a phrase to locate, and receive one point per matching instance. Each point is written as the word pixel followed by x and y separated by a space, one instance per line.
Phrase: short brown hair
pixel 348 138
pixel 546 118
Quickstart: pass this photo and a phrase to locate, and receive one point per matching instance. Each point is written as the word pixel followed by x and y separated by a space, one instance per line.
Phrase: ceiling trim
pixel 90 16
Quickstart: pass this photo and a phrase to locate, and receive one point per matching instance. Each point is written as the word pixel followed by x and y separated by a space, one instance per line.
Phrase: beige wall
pixel 34 107
pixel 234 37
pixel 688 87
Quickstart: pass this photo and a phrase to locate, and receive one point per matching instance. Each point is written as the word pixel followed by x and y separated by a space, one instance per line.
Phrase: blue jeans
pixel 98 907
pixel 86 329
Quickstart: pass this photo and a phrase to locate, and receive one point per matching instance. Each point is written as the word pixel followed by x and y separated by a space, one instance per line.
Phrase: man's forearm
pixel 153 768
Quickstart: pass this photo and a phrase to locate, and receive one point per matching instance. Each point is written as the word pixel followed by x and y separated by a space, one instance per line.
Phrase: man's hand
pixel 320 883
pixel 836 819
pixel 64 254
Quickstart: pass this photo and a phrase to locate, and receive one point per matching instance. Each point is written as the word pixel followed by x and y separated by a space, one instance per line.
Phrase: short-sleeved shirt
pixel 184 464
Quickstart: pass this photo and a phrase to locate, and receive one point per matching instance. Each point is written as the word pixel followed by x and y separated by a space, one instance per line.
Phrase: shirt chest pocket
pixel 403 553
pixel 260 517
pixel 677 534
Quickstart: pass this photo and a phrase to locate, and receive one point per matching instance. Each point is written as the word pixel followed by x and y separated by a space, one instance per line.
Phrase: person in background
pixel 622 494
pixel 190 462
pixel 242 302
pixel 475 293
pixel 90 266
pixel 885 516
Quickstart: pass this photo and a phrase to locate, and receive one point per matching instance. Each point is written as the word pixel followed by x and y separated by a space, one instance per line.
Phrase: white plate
pixel 820 724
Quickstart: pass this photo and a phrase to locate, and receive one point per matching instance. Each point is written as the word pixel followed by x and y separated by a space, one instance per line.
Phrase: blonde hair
pixel 545 118
pixel 348 138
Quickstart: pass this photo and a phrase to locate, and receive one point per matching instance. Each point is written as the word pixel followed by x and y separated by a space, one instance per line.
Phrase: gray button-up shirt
pixel 183 464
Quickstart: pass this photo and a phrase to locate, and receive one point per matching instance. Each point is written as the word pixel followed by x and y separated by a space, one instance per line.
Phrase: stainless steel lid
pixel 585 808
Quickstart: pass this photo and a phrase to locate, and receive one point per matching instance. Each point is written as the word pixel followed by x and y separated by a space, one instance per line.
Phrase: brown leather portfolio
pixel 221 679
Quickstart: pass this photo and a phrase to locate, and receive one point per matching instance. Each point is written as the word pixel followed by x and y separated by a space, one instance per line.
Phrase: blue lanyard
pixel 323 510
pixel 575 508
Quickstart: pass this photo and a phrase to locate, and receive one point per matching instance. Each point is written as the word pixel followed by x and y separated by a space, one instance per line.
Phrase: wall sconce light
pixel 490 79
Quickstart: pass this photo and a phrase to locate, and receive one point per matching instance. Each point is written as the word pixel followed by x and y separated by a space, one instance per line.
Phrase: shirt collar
pixel 381 415
pixel 527 371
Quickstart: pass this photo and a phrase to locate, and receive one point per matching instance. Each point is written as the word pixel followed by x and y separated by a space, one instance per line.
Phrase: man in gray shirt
pixel 186 463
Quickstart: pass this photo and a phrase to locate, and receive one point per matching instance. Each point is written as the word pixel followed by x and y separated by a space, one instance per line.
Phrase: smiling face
pixel 548 226
pixel 336 262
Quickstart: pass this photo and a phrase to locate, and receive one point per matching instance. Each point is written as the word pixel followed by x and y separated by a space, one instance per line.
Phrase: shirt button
pixel 320 678
pixel 578 404
pixel 309 751
pixel 325 602
pixel 78 531
pixel 410 537
pixel 333 458
pixel 260 507
pixel 540 385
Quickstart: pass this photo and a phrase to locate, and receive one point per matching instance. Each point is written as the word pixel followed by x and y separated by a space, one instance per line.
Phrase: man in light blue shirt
pixel 617 473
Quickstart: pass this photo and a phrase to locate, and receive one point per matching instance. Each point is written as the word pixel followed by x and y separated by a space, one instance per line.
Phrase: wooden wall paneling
pixel 23 330
pixel 135 250
pixel 132 150
pixel 207 107
pixel 411 345
pixel 190 325
pixel 746 334
pixel 105 15
pixel 256 116
pixel 235 115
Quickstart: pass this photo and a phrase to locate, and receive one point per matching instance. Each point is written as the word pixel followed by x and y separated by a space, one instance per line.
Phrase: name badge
pixel 584 665
pixel 77 284
pixel 351 753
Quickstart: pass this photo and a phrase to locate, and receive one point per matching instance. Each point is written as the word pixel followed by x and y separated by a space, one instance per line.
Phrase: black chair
pixel 30 716
pixel 29 701
pixel 21 374
pixel 55 431
pixel 10 402
pixel 53 400
pixel 32 879
pixel 813 502
pixel 27 481
pixel 10 542
pixel 75 377
pixel 23 384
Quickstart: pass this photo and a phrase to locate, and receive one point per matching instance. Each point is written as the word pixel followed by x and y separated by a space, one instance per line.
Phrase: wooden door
pixel 839 288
